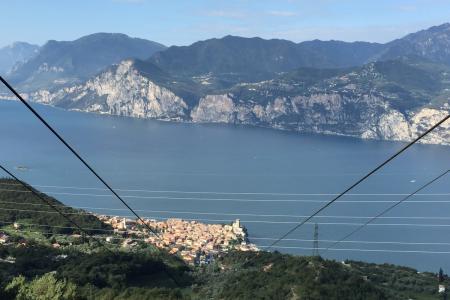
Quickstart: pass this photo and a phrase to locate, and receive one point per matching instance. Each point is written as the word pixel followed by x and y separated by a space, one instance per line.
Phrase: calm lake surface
pixel 269 179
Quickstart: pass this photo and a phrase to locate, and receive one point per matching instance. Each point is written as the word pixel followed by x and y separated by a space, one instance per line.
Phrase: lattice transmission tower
pixel 316 240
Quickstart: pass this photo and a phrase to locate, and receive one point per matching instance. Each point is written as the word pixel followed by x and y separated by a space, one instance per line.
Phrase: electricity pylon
pixel 316 240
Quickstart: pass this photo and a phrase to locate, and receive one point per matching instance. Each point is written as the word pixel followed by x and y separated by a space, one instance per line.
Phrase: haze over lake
pixel 214 173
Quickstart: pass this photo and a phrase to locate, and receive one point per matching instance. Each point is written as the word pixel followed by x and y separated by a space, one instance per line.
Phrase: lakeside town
pixel 194 242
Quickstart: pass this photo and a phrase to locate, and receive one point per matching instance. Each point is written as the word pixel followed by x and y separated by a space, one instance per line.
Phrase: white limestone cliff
pixel 214 109
pixel 119 91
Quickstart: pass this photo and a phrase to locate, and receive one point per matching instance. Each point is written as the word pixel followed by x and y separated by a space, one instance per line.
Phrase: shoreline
pixel 279 129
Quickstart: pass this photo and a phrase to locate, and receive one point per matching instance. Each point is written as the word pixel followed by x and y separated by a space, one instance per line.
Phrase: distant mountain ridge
pixel 66 62
pixel 232 54
pixel 386 91
pixel 15 53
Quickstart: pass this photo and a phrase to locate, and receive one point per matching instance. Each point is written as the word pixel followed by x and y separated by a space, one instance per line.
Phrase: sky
pixel 178 22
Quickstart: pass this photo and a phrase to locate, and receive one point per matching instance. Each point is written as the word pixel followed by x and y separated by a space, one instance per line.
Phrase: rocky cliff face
pixel 329 114
pixel 351 110
pixel 214 109
pixel 424 119
pixel 123 91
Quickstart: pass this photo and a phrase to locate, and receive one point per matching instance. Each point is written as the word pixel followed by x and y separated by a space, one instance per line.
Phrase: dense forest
pixel 80 268
pixel 150 274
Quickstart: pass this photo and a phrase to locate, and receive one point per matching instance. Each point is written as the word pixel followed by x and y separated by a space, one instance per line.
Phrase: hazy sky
pixel 183 22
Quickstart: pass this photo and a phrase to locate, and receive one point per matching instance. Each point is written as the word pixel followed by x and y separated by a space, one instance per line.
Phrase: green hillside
pixel 17 204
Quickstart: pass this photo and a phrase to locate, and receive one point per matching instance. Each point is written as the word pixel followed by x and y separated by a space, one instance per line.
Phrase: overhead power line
pixel 234 199
pixel 89 208
pixel 54 226
pixel 243 221
pixel 227 193
pixel 364 242
pixel 262 246
pixel 361 180
pixel 360 242
pixel 389 209
pixel 359 250
pixel 55 133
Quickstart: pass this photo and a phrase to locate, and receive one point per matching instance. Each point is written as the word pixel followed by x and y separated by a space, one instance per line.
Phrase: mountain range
pixel 259 57
pixel 68 62
pixel 390 91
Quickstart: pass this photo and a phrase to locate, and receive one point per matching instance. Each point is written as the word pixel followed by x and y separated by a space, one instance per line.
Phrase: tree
pixel 46 287
pixel 17 284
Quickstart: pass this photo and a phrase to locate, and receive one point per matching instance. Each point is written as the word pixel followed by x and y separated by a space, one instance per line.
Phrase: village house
pixel 4 238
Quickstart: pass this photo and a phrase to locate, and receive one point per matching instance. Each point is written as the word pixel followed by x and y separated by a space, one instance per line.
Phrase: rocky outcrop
pixel 427 117
pixel 368 117
pixel 122 90
pixel 393 125
pixel 214 109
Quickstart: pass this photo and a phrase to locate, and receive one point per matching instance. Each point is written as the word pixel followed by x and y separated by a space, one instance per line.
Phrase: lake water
pixel 215 173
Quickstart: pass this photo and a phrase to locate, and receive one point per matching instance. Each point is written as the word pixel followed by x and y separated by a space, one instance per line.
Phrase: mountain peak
pixel 104 35
pixel 97 35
